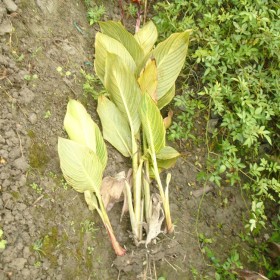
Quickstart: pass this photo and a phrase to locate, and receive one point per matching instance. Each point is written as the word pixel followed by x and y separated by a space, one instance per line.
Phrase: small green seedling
pixel 30 77
pixel 204 240
pixel 59 69
pixel 64 184
pixel 226 270
pixel 47 114
pixel 36 188
pixel 88 226
pixel 37 247
pixel 3 242
pixel 92 85
pixel 131 9
pixel 20 58
pixel 38 264
pixel 62 72
pixel 95 14
pixel 90 250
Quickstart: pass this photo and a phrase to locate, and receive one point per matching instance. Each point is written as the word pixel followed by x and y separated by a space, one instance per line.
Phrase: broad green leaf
pixel 148 79
pixel 167 152
pixel 152 124
pixel 123 89
pixel 91 200
pixel 166 163
pixel 167 157
pixel 104 45
pixel 115 126
pixel 80 166
pixel 170 56
pixel 83 130
pixel 117 31
pixel 147 37
pixel 166 99
pixel 101 150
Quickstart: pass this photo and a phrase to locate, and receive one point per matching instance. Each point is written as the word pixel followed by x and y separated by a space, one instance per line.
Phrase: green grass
pixel 233 75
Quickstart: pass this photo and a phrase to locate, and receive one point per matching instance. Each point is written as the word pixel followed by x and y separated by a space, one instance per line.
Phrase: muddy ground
pixel 50 232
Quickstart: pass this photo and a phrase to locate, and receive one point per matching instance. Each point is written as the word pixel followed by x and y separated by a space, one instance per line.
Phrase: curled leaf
pixel 117 31
pixel 153 226
pixel 105 45
pixel 170 56
pixel 168 120
pixel 112 190
pixel 147 36
pixel 148 79
pixel 167 157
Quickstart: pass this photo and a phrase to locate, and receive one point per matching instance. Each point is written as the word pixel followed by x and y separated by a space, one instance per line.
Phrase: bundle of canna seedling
pixel 139 78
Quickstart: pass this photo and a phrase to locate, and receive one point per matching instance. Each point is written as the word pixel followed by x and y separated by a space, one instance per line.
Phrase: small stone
pixel 15 153
pixel 10 133
pixel 26 237
pixel 46 264
pixel 25 273
pixel 15 173
pixel 174 207
pixel 212 125
pixel 118 158
pixel 47 6
pixel 2 13
pixel 21 164
pixel 22 74
pixel 22 221
pixel 32 118
pixel 19 246
pixel 6 183
pixel 21 206
pixel 6 27
pixel 14 188
pixel 26 96
pixel 69 49
pixel 8 217
pixel 10 5
pixel 4 153
pixel 60 260
pixel 22 180
pixel 6 197
pixel 18 263
pixel 2 140
pixel 59 277
pixel 4 176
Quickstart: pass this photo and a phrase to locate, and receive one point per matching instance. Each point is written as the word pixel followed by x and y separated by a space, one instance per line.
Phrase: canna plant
pixel 139 78
pixel 83 159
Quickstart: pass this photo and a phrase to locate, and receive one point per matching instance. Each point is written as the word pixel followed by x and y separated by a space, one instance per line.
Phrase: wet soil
pixel 50 232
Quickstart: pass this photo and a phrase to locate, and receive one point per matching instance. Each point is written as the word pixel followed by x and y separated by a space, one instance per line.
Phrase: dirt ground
pixel 50 232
